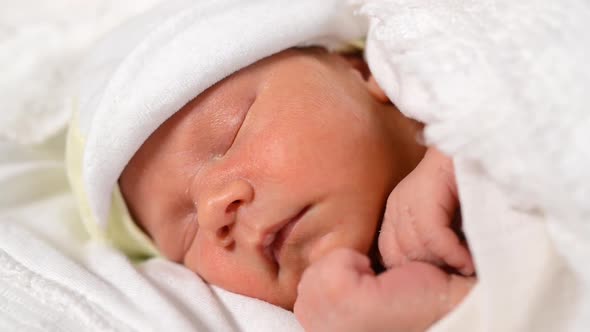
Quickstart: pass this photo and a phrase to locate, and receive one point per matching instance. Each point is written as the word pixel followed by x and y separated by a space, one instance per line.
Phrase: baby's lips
pixel 272 242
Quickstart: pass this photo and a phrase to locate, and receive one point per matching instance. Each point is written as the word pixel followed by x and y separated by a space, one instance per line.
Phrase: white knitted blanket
pixel 502 86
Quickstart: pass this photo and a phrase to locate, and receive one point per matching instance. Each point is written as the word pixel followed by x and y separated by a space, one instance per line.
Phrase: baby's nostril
pixel 233 206
pixel 223 231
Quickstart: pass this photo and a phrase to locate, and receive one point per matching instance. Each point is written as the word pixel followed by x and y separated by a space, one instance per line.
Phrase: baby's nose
pixel 218 209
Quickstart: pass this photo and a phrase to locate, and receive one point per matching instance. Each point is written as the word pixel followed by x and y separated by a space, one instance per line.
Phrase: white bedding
pixel 514 120
pixel 502 88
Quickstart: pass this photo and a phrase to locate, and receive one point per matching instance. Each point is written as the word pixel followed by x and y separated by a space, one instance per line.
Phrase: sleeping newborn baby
pixel 262 176
pixel 268 165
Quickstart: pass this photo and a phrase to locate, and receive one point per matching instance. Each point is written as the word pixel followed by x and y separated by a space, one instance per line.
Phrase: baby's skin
pixel 270 169
pixel 284 168
pixel 341 292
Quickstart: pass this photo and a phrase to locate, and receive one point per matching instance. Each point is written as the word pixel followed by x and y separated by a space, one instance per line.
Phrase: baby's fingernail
pixel 467 271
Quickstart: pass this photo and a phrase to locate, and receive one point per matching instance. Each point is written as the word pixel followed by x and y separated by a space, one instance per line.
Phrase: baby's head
pixel 271 168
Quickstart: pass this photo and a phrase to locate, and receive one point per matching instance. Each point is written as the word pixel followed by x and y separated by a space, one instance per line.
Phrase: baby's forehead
pixel 289 58
pixel 216 105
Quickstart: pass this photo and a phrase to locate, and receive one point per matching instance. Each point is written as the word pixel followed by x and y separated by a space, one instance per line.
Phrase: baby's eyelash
pixel 237 131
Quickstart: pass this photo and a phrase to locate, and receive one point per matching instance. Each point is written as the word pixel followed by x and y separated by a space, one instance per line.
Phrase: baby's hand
pixel 418 217
pixel 327 296
pixel 340 292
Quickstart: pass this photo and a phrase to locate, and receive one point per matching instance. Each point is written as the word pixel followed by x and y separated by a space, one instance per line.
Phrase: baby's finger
pixel 389 248
pixel 339 269
pixel 434 225
pixel 437 234
pixel 326 288
pixel 345 260
pixel 423 207
pixel 445 244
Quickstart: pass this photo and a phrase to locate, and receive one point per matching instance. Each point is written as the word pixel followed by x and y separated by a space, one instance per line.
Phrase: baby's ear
pixel 361 66
pixel 375 90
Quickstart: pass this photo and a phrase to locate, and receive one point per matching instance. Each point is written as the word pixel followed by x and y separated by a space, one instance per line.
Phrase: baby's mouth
pixel 273 242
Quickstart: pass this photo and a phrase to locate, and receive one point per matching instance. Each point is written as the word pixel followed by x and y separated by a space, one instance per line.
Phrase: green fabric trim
pixel 353 46
pixel 121 231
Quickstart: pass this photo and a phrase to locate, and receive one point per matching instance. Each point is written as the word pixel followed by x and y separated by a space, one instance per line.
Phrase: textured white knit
pixel 44 289
pixel 41 43
pixel 502 86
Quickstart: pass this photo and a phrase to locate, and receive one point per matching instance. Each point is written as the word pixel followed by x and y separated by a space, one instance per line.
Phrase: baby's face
pixel 269 170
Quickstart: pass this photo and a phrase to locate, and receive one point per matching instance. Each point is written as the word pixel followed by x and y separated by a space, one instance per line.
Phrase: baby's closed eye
pixel 232 124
